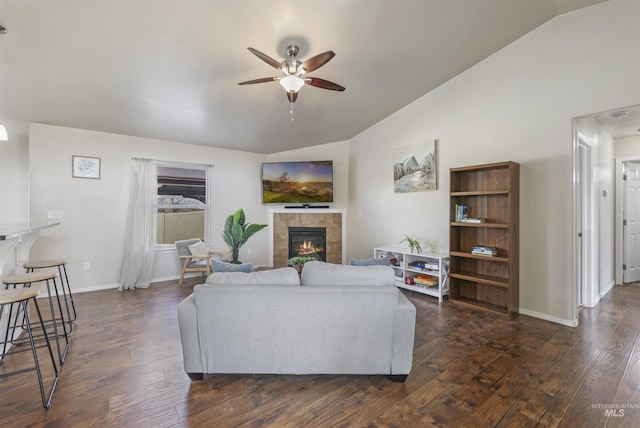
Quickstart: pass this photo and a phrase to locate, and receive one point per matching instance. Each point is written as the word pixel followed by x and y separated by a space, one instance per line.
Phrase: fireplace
pixel 308 241
pixel 333 220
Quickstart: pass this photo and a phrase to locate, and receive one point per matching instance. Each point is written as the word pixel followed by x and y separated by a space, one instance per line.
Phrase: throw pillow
pixel 281 276
pixel 384 261
pixel 198 249
pixel 219 266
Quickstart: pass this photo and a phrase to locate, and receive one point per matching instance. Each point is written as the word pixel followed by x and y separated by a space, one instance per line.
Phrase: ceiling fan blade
pixel 317 61
pixel 266 58
pixel 293 96
pixel 324 84
pixel 262 80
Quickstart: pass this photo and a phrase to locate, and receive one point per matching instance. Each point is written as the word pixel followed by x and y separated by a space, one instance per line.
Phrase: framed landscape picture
pixel 415 168
pixel 85 167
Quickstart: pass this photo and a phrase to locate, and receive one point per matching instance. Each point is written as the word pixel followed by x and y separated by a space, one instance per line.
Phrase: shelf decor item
pixel 484 265
pixel 414 243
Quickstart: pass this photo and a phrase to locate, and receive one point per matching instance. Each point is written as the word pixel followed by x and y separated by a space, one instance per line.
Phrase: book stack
pixel 425 281
pixel 484 251
pixel 420 265
pixel 473 220
pixel 461 212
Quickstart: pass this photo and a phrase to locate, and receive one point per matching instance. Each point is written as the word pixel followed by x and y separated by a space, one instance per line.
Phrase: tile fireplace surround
pixel 334 220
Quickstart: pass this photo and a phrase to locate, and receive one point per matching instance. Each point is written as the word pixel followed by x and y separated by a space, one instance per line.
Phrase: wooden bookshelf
pixel 490 192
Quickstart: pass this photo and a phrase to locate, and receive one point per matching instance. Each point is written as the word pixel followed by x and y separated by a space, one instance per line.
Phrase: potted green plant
pixel 299 261
pixel 414 243
pixel 236 232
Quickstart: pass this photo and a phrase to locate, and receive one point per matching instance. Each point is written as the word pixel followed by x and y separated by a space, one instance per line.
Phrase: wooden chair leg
pixel 184 270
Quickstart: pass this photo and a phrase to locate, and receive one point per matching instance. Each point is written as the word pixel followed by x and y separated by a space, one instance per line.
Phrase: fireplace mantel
pixel 309 217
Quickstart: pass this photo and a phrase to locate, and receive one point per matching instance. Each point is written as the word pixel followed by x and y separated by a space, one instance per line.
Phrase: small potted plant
pixel 413 243
pixel 298 262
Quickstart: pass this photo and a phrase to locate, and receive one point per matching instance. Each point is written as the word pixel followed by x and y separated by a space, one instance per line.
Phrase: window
pixel 182 202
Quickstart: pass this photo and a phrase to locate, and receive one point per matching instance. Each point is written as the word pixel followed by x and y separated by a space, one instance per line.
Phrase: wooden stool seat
pixel 16 295
pixel 27 278
pixel 15 324
pixel 45 264
pixel 61 265
pixel 56 320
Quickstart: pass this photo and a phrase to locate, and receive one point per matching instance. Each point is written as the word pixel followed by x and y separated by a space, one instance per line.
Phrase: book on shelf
pixel 484 251
pixel 427 281
pixel 461 212
pixel 420 265
pixel 473 220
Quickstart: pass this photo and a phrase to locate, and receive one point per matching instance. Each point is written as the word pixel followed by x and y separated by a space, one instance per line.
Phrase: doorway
pixel 600 141
pixel 585 237
pixel 630 222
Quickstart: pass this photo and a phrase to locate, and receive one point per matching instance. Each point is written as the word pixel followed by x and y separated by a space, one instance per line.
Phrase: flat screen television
pixel 305 182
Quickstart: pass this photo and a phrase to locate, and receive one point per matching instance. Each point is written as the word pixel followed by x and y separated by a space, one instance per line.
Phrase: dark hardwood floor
pixel 124 369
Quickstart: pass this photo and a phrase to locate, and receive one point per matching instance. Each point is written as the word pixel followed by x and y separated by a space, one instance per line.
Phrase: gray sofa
pixel 266 322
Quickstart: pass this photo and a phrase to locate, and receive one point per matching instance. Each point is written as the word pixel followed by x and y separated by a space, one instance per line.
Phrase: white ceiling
pixel 620 123
pixel 169 69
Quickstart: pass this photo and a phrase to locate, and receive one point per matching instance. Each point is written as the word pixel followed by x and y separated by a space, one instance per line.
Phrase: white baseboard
pixel 607 289
pixel 116 285
pixel 548 317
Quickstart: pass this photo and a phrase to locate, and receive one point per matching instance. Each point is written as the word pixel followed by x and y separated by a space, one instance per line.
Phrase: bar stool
pixel 61 265
pixel 25 280
pixel 21 297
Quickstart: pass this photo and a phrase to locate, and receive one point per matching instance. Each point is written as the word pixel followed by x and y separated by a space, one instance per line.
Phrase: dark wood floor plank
pixel 471 369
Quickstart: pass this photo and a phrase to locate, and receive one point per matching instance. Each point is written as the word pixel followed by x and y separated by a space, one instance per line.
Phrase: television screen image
pixel 297 182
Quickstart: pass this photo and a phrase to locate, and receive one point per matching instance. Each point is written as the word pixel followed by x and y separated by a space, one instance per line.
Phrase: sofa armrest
pixel 188 323
pixel 404 323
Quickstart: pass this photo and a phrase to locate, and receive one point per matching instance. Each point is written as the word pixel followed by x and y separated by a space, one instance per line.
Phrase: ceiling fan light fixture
pixel 292 83
pixel 3 133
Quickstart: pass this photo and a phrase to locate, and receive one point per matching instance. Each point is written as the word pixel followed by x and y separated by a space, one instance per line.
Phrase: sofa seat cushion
pixel 321 273
pixel 282 276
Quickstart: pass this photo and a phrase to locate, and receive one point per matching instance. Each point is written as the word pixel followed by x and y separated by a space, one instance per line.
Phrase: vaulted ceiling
pixel 169 69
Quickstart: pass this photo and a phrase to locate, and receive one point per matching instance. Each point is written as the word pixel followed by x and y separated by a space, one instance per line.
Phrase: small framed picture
pixel 85 167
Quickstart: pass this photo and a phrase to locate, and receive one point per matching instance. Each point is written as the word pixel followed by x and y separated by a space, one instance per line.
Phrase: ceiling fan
pixel 295 71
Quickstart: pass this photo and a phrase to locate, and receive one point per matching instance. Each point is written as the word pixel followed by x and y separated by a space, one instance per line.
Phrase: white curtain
pixel 140 238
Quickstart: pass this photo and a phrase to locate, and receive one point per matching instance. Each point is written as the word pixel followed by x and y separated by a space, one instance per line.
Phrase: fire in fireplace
pixel 308 241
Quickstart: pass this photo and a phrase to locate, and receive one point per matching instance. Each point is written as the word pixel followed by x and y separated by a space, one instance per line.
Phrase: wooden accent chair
pixel 196 262
pixel 191 262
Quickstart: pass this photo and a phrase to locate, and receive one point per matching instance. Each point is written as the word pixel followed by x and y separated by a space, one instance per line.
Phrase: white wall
pixel 95 211
pixel 516 105
pixel 627 147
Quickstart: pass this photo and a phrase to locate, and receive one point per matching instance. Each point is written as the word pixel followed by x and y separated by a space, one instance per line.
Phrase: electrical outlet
pixel 86 266
pixel 249 250
pixel 55 214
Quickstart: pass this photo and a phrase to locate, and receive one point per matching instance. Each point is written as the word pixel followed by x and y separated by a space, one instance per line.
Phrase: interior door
pixel 631 222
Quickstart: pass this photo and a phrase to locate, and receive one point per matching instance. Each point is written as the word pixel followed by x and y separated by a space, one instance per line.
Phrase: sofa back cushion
pixel 283 329
pixel 282 276
pixel 321 273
